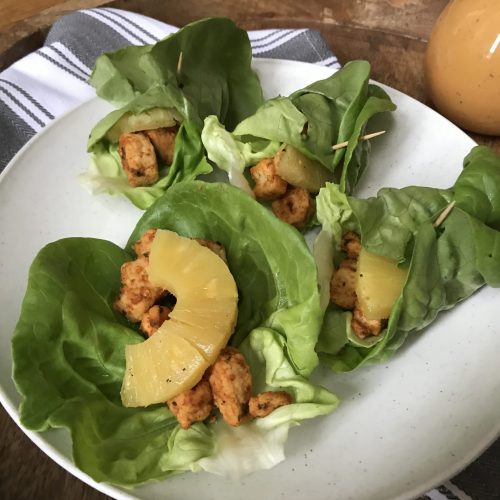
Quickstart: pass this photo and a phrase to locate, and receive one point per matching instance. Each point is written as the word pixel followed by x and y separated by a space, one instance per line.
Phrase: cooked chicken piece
pixel 143 245
pixel 137 295
pixel 343 285
pixel 265 403
pixel 363 327
pixel 154 318
pixel 138 159
pixel 193 405
pixel 216 248
pixel 163 140
pixel 351 245
pixel 343 289
pixel 134 274
pixel 231 384
pixel 295 207
pixel 268 184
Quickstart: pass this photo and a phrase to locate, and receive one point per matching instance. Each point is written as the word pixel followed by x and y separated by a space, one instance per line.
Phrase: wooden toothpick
pixel 179 70
pixel 444 214
pixel 344 144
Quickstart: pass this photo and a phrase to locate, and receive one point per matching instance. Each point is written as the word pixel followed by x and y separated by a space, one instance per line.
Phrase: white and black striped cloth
pixel 53 80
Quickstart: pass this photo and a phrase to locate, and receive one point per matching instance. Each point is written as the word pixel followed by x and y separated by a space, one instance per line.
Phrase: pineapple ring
pixel 176 356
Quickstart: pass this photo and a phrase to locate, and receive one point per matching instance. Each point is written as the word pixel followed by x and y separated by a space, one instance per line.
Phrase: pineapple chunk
pixel 300 171
pixel 176 356
pixel 379 282
pixel 147 120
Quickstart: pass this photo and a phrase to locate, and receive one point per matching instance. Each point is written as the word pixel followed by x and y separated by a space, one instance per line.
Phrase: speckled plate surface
pixel 401 429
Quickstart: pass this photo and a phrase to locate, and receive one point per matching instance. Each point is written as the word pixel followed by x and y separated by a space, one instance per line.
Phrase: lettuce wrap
pixel 212 77
pixel 106 174
pixel 68 346
pixel 312 120
pixel 446 262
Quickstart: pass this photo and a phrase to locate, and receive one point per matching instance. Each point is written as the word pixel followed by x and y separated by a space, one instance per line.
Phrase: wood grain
pixel 412 19
pixel 26 473
pixel 391 34
pixel 26 35
pixel 12 11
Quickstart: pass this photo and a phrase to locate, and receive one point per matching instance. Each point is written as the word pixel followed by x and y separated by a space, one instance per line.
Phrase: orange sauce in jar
pixel 463 64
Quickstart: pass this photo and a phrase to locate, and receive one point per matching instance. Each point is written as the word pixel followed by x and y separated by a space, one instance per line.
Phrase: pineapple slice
pixel 300 171
pixel 176 356
pixel 147 120
pixel 379 282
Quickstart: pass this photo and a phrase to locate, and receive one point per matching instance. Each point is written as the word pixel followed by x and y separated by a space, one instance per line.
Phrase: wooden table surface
pixel 391 34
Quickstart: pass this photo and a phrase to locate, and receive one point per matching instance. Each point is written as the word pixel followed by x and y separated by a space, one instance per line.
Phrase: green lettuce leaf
pixel 312 119
pixel 105 173
pixel 214 74
pixel 477 190
pixel 445 264
pixel 230 154
pixel 190 71
pixel 278 286
pixel 68 346
pixel 68 354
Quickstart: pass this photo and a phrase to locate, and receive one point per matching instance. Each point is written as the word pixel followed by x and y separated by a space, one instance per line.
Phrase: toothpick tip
pixel 362 138
pixel 179 68
pixel 446 211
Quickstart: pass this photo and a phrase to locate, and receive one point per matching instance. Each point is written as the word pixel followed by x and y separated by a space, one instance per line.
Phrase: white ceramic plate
pixel 401 429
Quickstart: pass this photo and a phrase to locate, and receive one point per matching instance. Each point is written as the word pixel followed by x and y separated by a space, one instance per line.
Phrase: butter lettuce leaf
pixel 231 154
pixel 68 354
pixel 313 119
pixel 214 73
pixel 477 191
pixel 278 285
pixel 446 264
pixel 68 345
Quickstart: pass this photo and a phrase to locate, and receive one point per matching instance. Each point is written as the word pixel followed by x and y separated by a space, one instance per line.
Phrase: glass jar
pixel 463 64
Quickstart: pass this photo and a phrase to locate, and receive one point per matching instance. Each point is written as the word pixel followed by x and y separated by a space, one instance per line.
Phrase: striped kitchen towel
pixel 53 80
pixel 43 85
